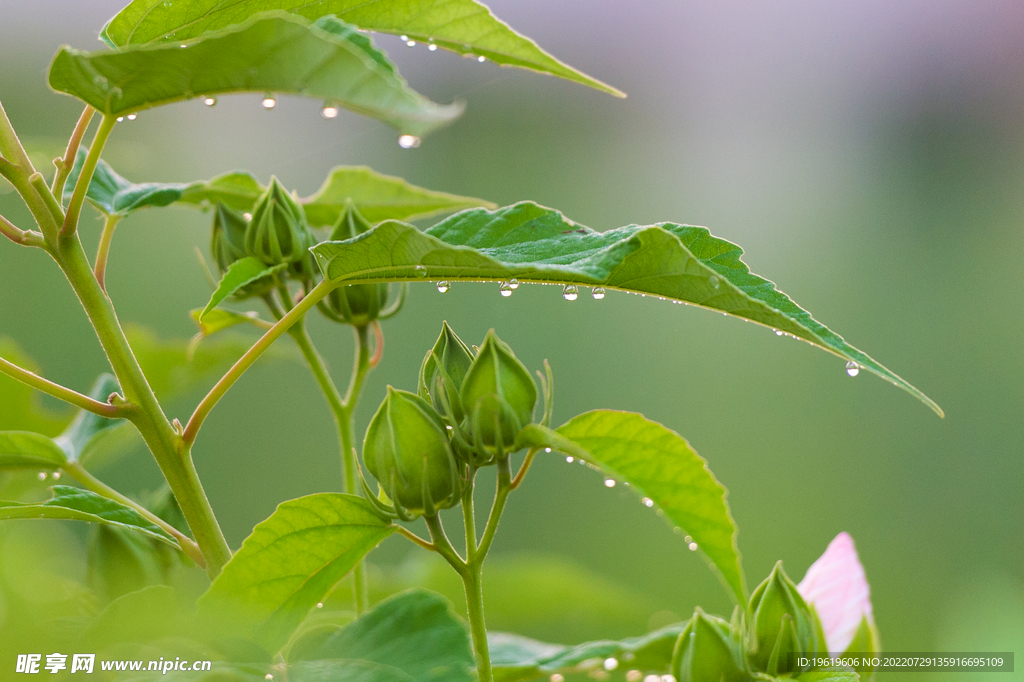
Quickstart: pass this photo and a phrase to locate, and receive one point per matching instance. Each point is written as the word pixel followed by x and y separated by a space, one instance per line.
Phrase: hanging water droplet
pixel 432 47
pixel 514 283
pixel 779 333
pixel 611 663
pixel 713 281
pixel 42 475
pixel 570 460
pixel 120 119
pixel 598 293
pixel 506 289
pixel 403 38
pixel 547 450
pixel 652 678
pixel 420 270
pixel 692 546
pixel 570 292
pixel 183 46
pixel 210 101
pixel 56 475
pixel 132 117
pixel 411 43
pixel 852 368
pixel 555 677
pixel 481 59
pixel 408 141
pixel 609 483
pixel 647 502
pixel 329 111
pixel 668 678
pixel 443 287
pixel 269 101
pixel 319 604
pixel 449 427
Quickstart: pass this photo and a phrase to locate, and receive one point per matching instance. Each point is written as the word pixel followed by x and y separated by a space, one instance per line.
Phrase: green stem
pixel 62 392
pixel 52 205
pixel 17 168
pixel 469 518
pixel 103 252
pixel 88 168
pixel 500 496
pixel 68 162
pixel 475 606
pixel 80 474
pixel 10 145
pixel 172 454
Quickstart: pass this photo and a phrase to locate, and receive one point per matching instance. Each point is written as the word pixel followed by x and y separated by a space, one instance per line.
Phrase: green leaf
pixel 88 429
pixel 837 675
pixel 218 319
pixel 536 244
pixel 660 465
pixel 281 54
pixel 415 634
pixel 517 659
pixel 121 562
pixel 111 194
pixel 462 26
pixel 289 563
pixel 241 272
pixel 238 190
pixel 75 504
pixel 20 449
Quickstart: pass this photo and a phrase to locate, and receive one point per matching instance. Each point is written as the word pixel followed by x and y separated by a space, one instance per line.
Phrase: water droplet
pixel 449 427
pixel 713 281
pixel 652 678
pixel 420 270
pixel 183 46
pixel 329 111
pixel 779 333
pixel 668 678
pixel 481 59
pixel 319 604
pixel 692 546
pixel 609 483
pixel 443 287
pixel 269 101
pixel 514 283
pixel 432 47
pixel 852 368
pixel 506 289
pixel 570 460
pixel 403 38
pixel 660 512
pixel 42 475
pixel 132 117
pixel 555 677
pixel 411 43
pixel 547 450
pixel 210 101
pixel 115 92
pixel 611 663
pixel 120 119
pixel 647 502
pixel 677 530
pixel 408 141
pixel 167 4
pixel 570 292
pixel 56 475
pixel 247 216
pixel 598 293
pixel 100 81
pixel 634 676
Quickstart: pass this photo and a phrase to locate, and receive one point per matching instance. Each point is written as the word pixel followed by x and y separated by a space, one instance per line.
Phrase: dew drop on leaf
pixel 570 460
pixel 506 289
pixel 609 483
pixel 444 287
pixel 319 604
pixel 403 38
pixel 408 141
pixel 611 663
pixel 692 546
pixel 247 216
pixel 120 119
pixel 634 676
pixel 329 111
pixel 598 293
pixel 55 475
pixel 648 502
pixel 42 475
pixel 481 59
pixel 514 283
pixel 852 368
pixel 269 101
pixel 100 81
pixel 547 450
pixel 713 281
pixel 778 333
pixel 432 47
pixel 555 677
pixel 132 117
pixel 210 101
pixel 420 270
pixel 570 292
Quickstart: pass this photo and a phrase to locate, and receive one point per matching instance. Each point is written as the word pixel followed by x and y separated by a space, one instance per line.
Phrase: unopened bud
pixel 783 624
pixel 498 393
pixel 708 651
pixel 443 371
pixel 355 304
pixel 278 232
pixel 227 243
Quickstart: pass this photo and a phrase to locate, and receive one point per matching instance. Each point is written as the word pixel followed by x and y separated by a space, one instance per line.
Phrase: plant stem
pixel 88 168
pixel 525 467
pixel 469 518
pixel 103 252
pixel 475 607
pixel 68 162
pixel 500 496
pixel 62 392
pixel 80 474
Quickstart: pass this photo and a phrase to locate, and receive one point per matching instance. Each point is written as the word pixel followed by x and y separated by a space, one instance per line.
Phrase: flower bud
pixel 498 393
pixel 278 232
pixel 355 304
pixel 783 624
pixel 406 449
pixel 227 243
pixel 708 650
pixel 454 357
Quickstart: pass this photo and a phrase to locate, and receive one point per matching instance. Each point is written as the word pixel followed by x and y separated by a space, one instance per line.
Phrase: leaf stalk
pixel 68 162
pixel 64 393
pixel 88 168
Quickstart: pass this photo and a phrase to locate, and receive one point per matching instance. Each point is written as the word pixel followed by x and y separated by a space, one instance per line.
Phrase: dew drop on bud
pixel 692 546
pixel 852 368
pixel 611 663
pixel 210 101
pixel 514 283
pixel 570 460
pixel 329 111
pixel 648 502
pixel 598 293
pixel 408 141
pixel 269 102
pixel 506 289
pixel 570 292
pixel 420 270
pixel 42 475
pixel 609 483
pixel 443 287
pixel 432 47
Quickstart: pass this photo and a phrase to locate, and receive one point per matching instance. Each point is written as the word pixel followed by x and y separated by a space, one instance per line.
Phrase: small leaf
pixel 111 194
pixel 517 659
pixel 88 428
pixel 75 504
pixel 462 26
pixel 289 563
pixel 238 190
pixel 415 633
pixel 218 319
pixel 19 449
pixel 660 465
pixel 536 244
pixel 240 273
pixel 280 54
pixel 121 562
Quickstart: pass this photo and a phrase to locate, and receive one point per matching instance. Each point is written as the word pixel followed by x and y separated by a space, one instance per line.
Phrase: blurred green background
pixel 869 157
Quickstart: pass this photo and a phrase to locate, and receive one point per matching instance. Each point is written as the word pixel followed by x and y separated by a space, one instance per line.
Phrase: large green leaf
pixel 462 26
pixel 20 449
pixel 75 504
pixel 518 659
pixel 415 634
pixel 289 563
pixel 279 54
pixel 536 244
pixel 111 194
pixel 661 467
pixel 240 273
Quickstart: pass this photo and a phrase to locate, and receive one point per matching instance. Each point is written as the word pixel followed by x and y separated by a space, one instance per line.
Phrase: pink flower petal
pixel 835 584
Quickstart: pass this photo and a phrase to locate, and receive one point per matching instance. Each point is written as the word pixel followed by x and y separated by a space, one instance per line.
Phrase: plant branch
pixel 68 162
pixel 63 393
pixel 103 252
pixel 378 345
pixel 80 474
pixel 7 169
pixel 500 495
pixel 8 230
pixel 273 334
pixel 88 168
pixel 402 530
pixel 469 518
pixel 10 147
pixel 525 467
pixel 443 546
pixel 52 205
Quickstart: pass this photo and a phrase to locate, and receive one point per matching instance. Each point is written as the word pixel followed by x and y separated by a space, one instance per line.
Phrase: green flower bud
pixel 227 243
pixel 406 449
pixel 440 385
pixel 278 232
pixel 783 624
pixel 708 650
pixel 355 304
pixel 498 393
